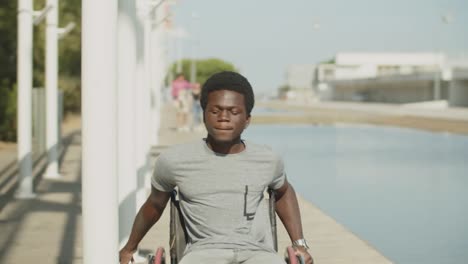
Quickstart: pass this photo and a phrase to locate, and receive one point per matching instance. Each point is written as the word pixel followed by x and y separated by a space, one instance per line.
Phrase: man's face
pixel 225 115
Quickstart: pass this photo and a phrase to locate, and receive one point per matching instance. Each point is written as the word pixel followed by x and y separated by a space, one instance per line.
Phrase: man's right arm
pixel 148 215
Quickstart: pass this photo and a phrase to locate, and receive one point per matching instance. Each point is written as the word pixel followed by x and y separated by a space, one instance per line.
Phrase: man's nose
pixel 224 116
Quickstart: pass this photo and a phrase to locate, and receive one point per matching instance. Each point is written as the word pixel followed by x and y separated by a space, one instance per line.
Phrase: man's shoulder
pixel 263 150
pixel 182 150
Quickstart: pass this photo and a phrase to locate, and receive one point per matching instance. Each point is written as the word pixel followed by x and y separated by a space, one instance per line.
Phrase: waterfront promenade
pixel 47 229
pixel 417 116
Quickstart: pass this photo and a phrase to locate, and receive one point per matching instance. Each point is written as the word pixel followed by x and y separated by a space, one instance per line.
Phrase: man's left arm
pixel 288 211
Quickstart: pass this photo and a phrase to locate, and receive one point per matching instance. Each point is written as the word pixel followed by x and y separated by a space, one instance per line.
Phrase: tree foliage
pixel 69 60
pixel 205 68
pixel 7 113
pixel 8 24
pixel 8 40
pixel 329 61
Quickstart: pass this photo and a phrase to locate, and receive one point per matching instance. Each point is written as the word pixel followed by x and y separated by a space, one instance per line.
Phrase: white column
pixel 193 67
pixel 127 50
pixel 179 52
pixel 194 43
pixel 158 55
pixel 152 63
pixel 154 88
pixel 51 71
pixel 145 182
pixel 156 83
pixel 24 75
pixel 147 85
pixel 99 140
pixel 141 146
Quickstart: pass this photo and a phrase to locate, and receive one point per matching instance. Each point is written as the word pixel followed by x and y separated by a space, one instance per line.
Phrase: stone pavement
pixel 47 229
pixel 7 155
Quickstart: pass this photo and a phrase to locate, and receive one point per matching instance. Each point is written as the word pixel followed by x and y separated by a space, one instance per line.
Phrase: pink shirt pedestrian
pixel 179 85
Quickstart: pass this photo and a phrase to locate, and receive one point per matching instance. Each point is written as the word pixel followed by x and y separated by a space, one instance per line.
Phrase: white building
pixel 394 77
pixel 351 66
pixel 391 77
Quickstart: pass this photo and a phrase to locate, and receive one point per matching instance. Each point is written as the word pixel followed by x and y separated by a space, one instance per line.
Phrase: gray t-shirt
pixel 220 194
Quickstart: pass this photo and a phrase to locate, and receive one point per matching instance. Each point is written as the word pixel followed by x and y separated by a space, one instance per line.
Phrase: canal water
pixel 404 191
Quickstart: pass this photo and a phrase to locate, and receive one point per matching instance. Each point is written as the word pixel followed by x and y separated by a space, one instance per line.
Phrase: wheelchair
pixel 178 234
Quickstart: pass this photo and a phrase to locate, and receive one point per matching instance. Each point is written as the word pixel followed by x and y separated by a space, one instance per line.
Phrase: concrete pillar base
pixel 21 195
pixel 52 172
pixel 52 175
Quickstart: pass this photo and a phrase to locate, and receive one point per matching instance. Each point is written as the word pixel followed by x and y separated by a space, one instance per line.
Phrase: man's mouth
pixel 224 128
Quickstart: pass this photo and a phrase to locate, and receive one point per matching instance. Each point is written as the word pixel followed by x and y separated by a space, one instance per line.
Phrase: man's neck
pixel 231 147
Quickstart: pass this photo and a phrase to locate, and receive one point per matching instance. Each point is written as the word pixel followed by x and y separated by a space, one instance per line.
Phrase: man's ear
pixel 247 122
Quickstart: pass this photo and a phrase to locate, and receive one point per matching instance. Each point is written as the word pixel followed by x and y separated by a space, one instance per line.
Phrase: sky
pixel 262 37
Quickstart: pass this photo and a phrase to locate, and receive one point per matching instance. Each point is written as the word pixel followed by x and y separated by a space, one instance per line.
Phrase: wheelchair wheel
pixel 291 258
pixel 159 256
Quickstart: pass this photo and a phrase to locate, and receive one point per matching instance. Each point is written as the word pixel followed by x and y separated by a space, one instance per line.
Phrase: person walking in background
pixel 181 96
pixel 196 108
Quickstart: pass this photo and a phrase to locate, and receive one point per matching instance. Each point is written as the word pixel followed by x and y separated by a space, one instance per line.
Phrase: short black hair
pixel 228 80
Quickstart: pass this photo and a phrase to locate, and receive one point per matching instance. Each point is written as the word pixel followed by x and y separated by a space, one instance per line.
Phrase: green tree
pixel 8 40
pixel 69 60
pixel 8 122
pixel 205 68
pixel 69 64
pixel 70 57
pixel 329 61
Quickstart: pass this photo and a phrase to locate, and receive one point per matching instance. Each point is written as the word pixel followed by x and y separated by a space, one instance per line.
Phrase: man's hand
pixel 302 251
pixel 126 256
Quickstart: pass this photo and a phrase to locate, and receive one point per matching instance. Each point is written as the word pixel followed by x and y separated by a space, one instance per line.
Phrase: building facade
pixel 389 77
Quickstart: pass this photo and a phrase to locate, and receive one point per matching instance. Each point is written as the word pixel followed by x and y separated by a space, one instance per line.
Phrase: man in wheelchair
pixel 221 181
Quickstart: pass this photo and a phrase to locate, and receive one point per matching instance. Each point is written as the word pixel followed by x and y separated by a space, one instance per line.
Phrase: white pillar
pixel 100 187
pixel 179 52
pixel 193 67
pixel 154 89
pixel 24 75
pixel 141 97
pixel 158 74
pixel 147 85
pixel 51 70
pixel 147 124
pixel 127 51
pixel 152 63
pixel 194 43
pixel 159 67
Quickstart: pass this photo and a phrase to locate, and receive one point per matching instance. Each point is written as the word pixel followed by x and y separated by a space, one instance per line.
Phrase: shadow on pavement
pixel 27 225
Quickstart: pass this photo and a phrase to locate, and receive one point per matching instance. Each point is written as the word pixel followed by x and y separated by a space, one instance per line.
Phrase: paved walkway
pixel 7 155
pixel 48 229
